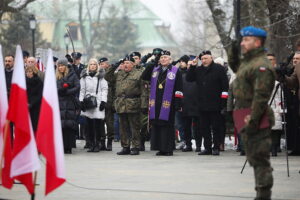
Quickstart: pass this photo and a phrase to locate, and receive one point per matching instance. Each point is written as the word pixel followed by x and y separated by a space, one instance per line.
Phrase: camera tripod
pixel 283 107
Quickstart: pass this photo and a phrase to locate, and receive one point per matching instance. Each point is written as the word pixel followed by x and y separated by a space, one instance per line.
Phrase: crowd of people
pixel 154 97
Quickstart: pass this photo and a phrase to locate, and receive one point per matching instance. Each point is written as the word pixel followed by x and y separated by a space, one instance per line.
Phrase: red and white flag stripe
pixel 178 94
pixel 224 95
pixel 49 131
pixel 24 156
pixel 5 150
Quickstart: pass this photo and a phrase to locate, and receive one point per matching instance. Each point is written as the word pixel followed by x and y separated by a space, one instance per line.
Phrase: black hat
pixel 129 58
pixel 185 58
pixel 207 52
pixel 76 55
pixel 135 53
pixel 166 53
pixel 103 59
pixel 25 54
pixel 55 59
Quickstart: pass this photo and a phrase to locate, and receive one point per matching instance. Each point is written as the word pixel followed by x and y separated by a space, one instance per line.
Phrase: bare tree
pixel 88 39
pixel 6 6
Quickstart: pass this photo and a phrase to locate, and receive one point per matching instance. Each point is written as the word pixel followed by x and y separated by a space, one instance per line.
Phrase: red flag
pixel 25 157
pixel 5 145
pixel 49 132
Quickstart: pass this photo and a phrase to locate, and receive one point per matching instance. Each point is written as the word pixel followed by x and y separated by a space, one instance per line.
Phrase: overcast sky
pixel 168 10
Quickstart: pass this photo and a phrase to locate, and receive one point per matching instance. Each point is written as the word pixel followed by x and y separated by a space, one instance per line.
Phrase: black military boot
pixel 102 145
pixel 97 148
pixel 134 151
pixel 109 145
pixel 91 149
pixel 205 152
pixel 124 151
pixel 187 148
pixel 142 145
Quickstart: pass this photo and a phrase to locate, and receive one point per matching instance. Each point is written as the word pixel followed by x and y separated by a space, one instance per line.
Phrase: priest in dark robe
pixel 165 99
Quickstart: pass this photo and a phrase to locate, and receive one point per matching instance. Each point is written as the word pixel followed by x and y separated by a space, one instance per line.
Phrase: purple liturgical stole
pixel 167 96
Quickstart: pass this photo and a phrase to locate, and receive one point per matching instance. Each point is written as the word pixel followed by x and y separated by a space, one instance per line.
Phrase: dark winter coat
pixel 34 94
pixel 8 77
pixel 190 104
pixel 211 81
pixel 78 69
pixel 67 100
pixel 176 103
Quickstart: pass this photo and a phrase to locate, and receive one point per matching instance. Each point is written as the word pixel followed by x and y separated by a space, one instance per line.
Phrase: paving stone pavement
pixel 184 176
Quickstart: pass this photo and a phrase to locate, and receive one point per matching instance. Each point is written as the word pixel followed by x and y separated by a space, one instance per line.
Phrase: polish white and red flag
pixel 5 142
pixel 49 131
pixel 25 159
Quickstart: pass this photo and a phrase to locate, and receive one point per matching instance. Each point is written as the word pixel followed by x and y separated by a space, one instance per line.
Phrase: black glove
pixel 146 57
pixel 82 106
pixel 102 105
pixel 62 91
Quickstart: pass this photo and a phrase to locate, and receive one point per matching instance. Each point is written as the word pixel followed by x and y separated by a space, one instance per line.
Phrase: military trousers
pixel 109 121
pixel 257 147
pixel 130 129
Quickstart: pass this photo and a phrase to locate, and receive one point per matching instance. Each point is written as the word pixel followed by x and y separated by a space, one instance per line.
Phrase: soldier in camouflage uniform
pixel 144 102
pixel 252 88
pixel 128 104
pixel 109 110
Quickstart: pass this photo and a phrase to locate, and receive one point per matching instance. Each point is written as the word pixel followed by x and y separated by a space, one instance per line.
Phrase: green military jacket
pixel 145 91
pixel 253 86
pixel 128 90
pixel 111 93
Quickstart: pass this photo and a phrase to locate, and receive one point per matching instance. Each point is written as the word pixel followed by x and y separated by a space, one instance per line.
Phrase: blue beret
pixel 253 31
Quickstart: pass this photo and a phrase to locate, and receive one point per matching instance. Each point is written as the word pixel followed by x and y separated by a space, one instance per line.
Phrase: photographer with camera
pixel 292 102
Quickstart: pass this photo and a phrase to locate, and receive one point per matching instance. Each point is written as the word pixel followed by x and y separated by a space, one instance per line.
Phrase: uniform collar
pixel 253 53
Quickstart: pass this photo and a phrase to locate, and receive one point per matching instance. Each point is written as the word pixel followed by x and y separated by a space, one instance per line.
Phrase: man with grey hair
pixel 31 61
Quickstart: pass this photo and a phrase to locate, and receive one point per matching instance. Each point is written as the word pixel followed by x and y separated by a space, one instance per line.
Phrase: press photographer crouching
pixel 291 80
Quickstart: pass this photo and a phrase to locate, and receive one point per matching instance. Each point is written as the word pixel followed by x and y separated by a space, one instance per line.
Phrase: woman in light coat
pixel 92 83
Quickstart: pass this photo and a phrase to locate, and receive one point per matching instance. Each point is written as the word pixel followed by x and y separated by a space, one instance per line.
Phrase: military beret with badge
pixel 253 31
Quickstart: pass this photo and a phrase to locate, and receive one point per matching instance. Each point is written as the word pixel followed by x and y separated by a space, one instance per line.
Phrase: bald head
pixel 31 61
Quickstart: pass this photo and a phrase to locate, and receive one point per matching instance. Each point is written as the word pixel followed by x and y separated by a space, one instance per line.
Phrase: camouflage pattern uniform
pixel 127 104
pixel 252 88
pixel 109 110
pixel 144 118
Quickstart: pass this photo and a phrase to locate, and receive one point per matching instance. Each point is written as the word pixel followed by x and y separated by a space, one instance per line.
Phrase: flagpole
pixel 34 183
pixel 4 142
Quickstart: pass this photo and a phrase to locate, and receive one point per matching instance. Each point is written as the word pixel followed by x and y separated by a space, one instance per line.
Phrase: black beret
pixel 129 58
pixel 103 59
pixel 207 52
pixel 76 55
pixel 135 53
pixel 184 58
pixel 166 53
pixel 25 54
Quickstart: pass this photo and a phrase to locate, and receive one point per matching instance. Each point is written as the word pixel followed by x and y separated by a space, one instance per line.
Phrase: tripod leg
pixel 244 166
pixel 283 106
